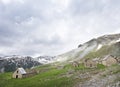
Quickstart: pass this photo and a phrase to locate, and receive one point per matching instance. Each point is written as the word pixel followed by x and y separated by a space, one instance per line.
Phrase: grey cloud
pixel 46 41
pixel 46 27
pixel 85 7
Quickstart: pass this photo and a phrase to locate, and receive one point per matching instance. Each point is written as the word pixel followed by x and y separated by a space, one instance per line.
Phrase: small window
pixel 17 71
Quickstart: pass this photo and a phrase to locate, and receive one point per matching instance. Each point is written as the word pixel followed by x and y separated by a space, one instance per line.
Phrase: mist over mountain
pixel 109 44
pixel 97 47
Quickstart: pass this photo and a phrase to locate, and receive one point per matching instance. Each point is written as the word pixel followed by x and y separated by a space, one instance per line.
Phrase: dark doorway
pixel 90 65
pixel 16 76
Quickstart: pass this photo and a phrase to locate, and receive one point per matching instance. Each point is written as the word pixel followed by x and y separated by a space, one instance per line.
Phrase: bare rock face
pixel 106 39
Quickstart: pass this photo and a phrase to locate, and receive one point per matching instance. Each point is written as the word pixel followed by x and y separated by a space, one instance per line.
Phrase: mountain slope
pixel 68 76
pixel 106 43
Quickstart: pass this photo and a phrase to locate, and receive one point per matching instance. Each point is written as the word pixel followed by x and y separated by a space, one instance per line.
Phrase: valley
pixel 95 63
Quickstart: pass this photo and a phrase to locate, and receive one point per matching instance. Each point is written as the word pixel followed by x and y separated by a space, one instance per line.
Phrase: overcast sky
pixel 52 27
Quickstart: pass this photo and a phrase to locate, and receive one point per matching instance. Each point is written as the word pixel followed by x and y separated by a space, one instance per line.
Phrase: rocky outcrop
pixel 105 78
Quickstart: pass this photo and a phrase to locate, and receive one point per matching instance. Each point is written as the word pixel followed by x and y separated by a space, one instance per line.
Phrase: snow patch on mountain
pixel 11 63
pixel 118 40
pixel 99 46
pixel 45 59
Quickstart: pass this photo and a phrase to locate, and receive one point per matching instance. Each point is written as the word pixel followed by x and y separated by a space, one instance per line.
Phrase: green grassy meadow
pixel 49 78
pixel 52 76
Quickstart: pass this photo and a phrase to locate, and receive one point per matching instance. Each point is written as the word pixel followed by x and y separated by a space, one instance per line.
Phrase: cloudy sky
pixel 52 27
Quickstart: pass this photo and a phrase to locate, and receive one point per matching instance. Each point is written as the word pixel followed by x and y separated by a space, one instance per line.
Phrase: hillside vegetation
pixel 52 76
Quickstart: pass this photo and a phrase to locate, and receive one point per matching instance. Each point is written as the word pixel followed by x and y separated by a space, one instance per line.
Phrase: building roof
pixel 22 71
pixel 96 59
pixel 107 57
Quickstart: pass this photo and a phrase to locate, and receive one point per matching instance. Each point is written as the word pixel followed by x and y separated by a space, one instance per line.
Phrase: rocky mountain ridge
pixel 11 63
pixel 109 41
